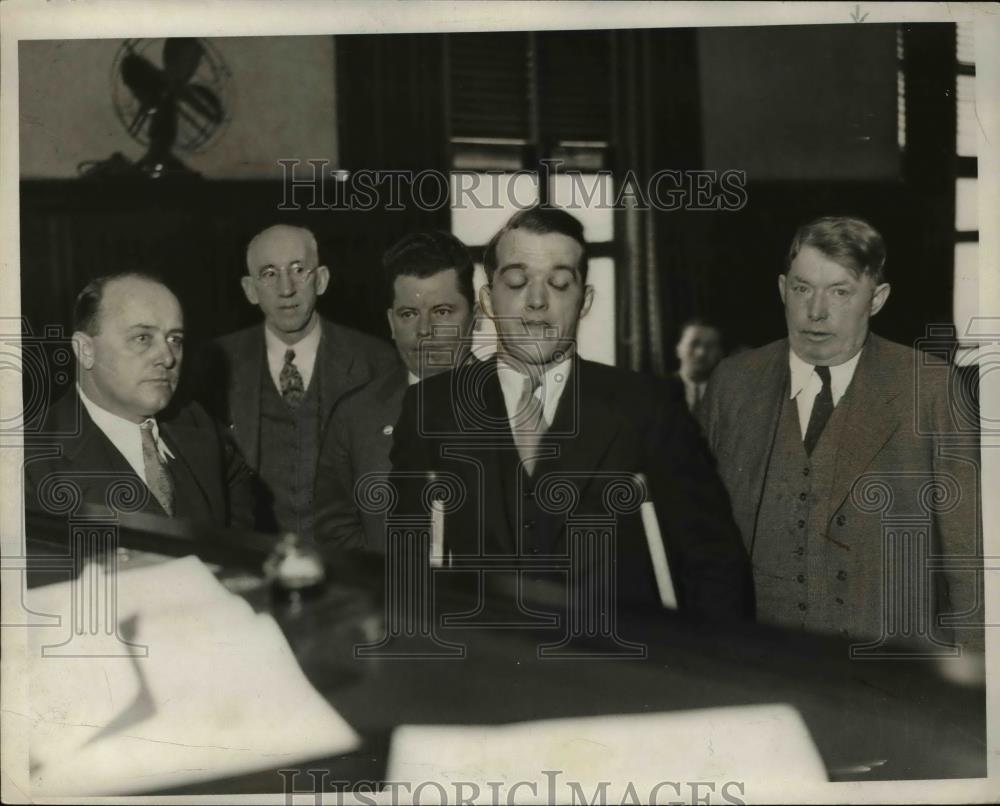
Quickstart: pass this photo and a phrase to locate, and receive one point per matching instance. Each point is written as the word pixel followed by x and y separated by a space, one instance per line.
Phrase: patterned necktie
pixel 160 484
pixel 292 388
pixel 822 408
pixel 529 424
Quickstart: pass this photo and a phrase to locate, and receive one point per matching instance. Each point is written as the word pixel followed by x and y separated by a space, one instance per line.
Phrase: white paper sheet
pixel 546 759
pixel 218 692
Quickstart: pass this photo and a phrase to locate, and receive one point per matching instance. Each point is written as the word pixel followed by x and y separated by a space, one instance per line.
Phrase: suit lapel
pixel 338 368
pixel 764 408
pixel 584 443
pixel 870 420
pixel 93 458
pixel 196 454
pixel 502 461
pixel 244 392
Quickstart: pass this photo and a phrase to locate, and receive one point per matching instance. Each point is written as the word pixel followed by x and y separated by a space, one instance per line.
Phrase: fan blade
pixel 143 79
pixel 203 101
pixel 181 57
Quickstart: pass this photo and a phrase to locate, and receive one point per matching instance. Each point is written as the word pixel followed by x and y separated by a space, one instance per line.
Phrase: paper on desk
pixel 755 743
pixel 219 692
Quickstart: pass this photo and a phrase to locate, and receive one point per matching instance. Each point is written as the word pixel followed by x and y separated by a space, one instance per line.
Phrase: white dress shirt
pixel 694 391
pixel 806 384
pixel 549 390
pixel 305 354
pixel 125 435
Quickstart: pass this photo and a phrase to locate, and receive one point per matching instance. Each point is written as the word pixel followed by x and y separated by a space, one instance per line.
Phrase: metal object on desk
pixel 294 569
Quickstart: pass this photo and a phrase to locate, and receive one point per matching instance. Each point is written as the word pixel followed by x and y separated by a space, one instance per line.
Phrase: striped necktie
pixel 158 479
pixel 528 424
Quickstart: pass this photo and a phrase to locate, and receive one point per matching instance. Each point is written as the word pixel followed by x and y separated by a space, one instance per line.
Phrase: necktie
pixel 529 424
pixel 292 388
pixel 157 478
pixel 821 410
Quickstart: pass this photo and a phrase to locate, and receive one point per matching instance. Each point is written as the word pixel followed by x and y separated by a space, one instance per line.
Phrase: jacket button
pixel 802 605
pixel 529 525
pixel 841 520
pixel 800 578
pixel 529 492
pixel 803 496
pixel 800 551
pixel 842 575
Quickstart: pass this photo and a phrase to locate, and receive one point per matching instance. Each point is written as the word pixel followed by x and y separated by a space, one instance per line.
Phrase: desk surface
pixel 870 719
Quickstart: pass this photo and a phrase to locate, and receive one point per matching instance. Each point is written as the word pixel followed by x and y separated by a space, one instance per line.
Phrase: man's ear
pixel 322 279
pixel 781 287
pixel 250 289
pixel 83 349
pixel 588 300
pixel 486 300
pixel 879 297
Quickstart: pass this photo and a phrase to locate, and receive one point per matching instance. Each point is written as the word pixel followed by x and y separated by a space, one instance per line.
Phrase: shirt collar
pixel 305 352
pixel 118 429
pixel 411 378
pixel 840 376
pixel 551 385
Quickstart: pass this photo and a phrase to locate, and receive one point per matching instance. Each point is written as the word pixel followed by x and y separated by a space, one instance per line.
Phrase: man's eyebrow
pixel 510 267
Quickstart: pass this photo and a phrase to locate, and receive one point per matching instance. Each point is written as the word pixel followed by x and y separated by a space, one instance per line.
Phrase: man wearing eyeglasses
pixel 275 384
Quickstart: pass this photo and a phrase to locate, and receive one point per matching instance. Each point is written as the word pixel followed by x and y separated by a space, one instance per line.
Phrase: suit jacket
pixel 216 487
pixel 608 421
pixel 230 370
pixel 356 442
pixel 899 416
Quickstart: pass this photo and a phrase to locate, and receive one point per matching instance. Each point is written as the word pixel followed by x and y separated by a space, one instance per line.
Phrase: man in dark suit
pixel 112 442
pixel 826 438
pixel 429 275
pixel 276 383
pixel 699 351
pixel 538 427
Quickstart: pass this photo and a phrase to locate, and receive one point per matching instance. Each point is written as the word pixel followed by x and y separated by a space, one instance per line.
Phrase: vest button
pixel 800 551
pixel 800 578
pixel 841 520
pixel 842 575
pixel 803 496
pixel 839 601
pixel 805 471
pixel 802 524
pixel 802 605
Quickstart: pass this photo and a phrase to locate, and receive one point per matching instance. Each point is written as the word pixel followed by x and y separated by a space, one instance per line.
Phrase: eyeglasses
pixel 297 274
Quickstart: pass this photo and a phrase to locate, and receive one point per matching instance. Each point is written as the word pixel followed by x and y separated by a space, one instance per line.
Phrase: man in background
pixel 429 275
pixel 115 426
pixel 699 351
pixel 276 383
pixel 813 431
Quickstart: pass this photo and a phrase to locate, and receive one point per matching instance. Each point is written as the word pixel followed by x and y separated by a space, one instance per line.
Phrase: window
pixel 518 101
pixel 966 303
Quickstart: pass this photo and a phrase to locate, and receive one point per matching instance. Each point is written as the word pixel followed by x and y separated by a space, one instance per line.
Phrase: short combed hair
pixel 426 253
pixel 86 309
pixel 541 220
pixel 852 242
pixel 312 248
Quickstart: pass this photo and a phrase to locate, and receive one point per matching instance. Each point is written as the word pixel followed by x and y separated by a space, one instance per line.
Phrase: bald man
pixel 115 439
pixel 276 383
